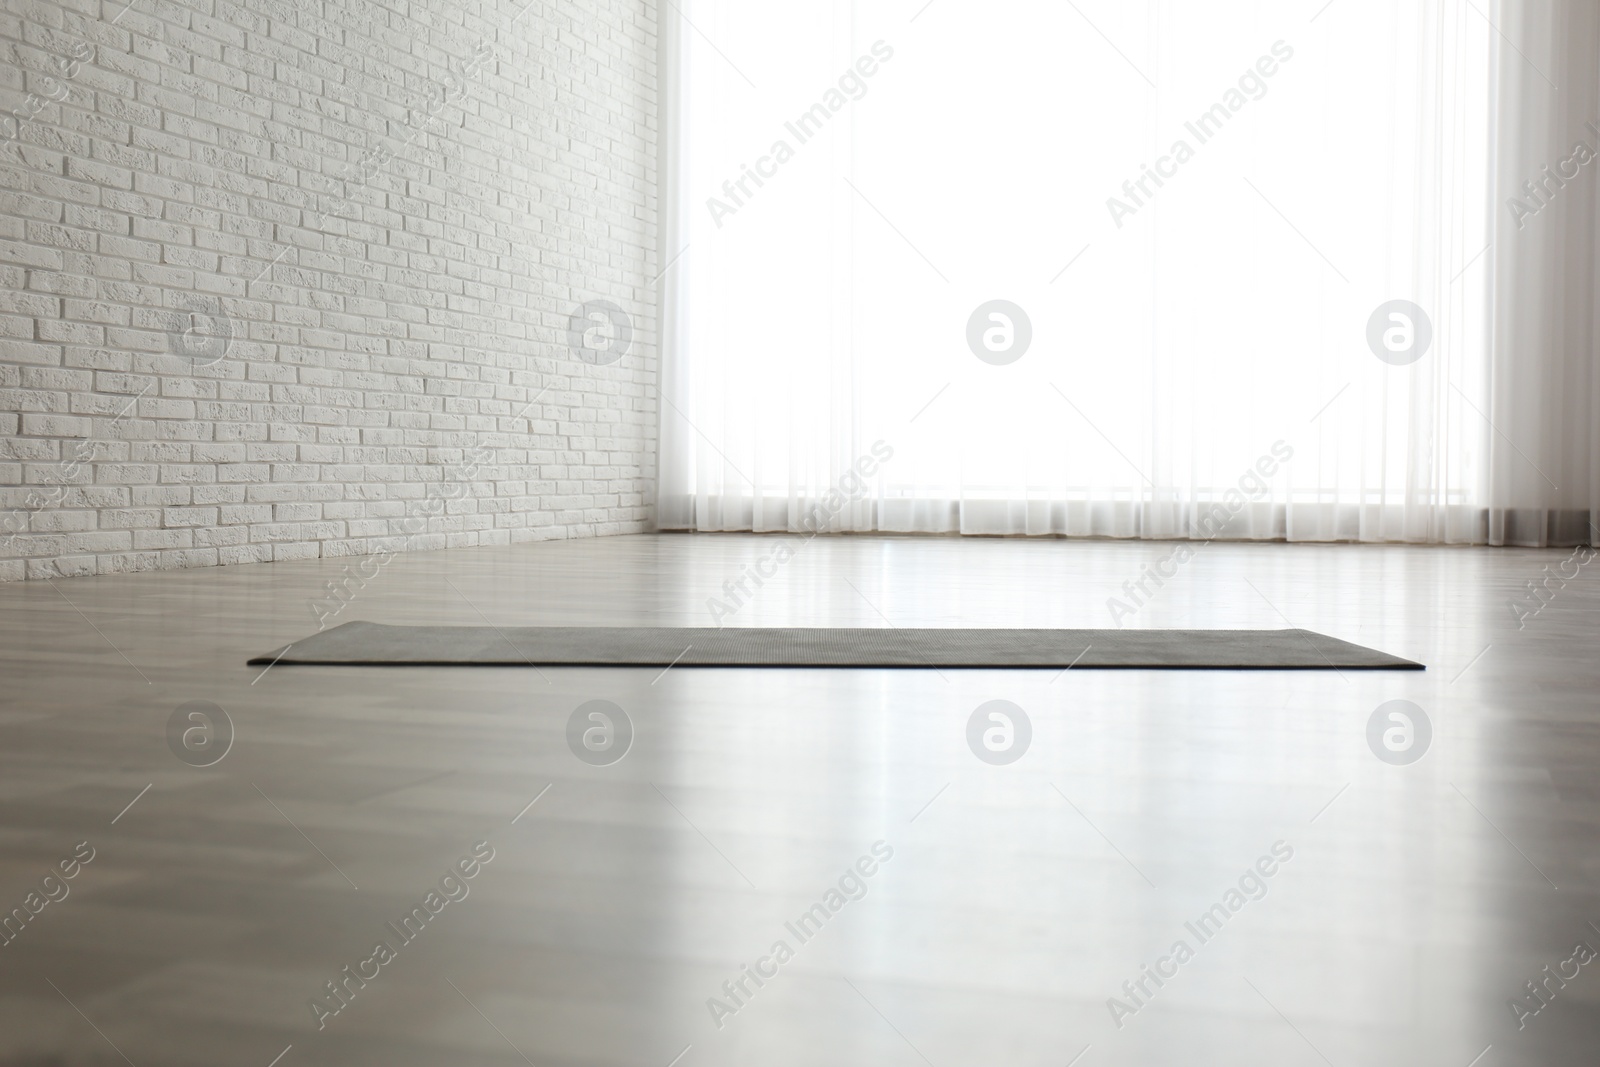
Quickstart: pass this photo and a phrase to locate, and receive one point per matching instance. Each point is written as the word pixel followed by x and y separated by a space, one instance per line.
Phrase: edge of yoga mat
pixel 370 644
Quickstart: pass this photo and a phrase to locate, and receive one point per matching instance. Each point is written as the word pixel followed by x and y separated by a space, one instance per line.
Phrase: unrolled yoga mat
pixel 370 644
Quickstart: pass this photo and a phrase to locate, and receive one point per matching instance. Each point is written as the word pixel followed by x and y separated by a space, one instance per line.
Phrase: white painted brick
pixel 58 520
pixel 217 494
pixel 245 554
pixel 61 566
pixel 184 558
pixel 55 426
pixel 156 539
pixel 101 541
pixel 410 314
pixel 116 562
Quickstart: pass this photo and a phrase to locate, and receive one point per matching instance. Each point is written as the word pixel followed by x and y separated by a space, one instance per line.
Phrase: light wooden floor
pixel 1418 902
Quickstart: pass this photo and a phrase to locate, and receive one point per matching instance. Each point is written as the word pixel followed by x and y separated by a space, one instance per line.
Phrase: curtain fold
pixel 1162 270
pixel 1545 462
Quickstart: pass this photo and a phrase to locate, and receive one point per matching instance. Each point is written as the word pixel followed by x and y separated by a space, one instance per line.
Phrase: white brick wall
pixel 376 219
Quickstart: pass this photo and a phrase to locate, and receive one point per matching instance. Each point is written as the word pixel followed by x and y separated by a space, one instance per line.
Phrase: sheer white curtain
pixel 1544 464
pixel 1199 216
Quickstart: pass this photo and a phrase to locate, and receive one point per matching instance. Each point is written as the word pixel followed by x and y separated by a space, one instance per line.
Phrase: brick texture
pixel 287 278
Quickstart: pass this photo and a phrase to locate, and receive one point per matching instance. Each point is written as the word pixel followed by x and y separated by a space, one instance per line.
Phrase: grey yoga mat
pixel 366 644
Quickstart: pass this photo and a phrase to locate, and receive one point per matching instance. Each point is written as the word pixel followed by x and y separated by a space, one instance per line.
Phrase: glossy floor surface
pixel 1105 868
